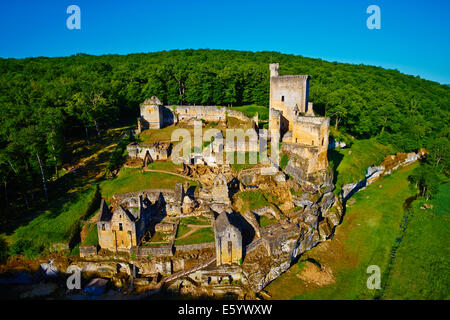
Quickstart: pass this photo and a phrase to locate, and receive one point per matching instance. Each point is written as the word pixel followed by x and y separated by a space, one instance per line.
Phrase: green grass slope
pixel 421 268
pixel 365 237
pixel 350 164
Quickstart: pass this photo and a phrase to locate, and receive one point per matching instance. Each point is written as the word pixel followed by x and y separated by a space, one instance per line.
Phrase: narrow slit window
pixel 120 227
pixel 282 98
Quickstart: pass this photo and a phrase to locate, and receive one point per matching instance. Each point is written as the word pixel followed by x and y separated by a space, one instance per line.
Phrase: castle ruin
pixel 253 246
pixel 292 116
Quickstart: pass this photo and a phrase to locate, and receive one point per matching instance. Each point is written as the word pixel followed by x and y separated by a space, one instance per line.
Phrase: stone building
pixel 291 114
pixel 149 153
pixel 151 114
pixel 124 226
pixel 228 237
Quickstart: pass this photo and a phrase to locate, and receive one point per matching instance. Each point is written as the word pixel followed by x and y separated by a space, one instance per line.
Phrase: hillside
pixel 47 103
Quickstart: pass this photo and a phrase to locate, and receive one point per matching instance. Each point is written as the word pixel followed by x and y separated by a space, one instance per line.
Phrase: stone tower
pixel 274 69
pixel 151 114
pixel 291 112
pixel 228 238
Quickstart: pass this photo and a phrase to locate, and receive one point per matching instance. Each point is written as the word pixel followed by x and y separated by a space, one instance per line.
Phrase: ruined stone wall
pixel 162 251
pixel 106 235
pixel 152 194
pixel 191 247
pixel 304 158
pixel 311 131
pixel 314 132
pixel 120 232
pixel 277 121
pixel 206 113
pixel 88 251
pixel 229 249
pixel 228 240
pixel 141 150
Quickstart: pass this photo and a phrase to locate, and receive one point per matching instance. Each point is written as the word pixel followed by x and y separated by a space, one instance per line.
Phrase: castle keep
pixel 292 116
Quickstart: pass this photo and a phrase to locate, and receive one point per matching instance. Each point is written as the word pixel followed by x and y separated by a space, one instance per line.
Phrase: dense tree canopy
pixel 45 101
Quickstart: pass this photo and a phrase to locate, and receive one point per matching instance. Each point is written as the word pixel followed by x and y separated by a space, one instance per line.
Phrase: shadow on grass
pixel 334 159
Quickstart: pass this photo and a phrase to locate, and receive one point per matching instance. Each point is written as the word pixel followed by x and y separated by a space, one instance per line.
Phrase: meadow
pixel 350 164
pixel 131 180
pixel 421 268
pixel 58 225
pixel 370 227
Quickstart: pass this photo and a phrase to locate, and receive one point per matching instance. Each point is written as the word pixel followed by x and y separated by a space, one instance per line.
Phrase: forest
pixel 45 102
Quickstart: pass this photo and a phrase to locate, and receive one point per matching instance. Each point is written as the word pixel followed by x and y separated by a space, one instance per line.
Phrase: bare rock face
pixel 324 230
pixel 297 169
pixel 327 201
pixel 273 257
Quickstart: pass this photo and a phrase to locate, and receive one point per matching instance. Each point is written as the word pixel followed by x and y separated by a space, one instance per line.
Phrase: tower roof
pixel 153 101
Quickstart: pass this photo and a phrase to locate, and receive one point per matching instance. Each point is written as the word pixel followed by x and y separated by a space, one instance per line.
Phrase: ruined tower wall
pixel 287 93
pixel 106 238
pixel 208 113
pixel 153 115
pixel 229 248
pixel 311 131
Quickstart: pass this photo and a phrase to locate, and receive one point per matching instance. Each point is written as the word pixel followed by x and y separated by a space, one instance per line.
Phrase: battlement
pixel 274 69
pixel 300 77
pixel 322 121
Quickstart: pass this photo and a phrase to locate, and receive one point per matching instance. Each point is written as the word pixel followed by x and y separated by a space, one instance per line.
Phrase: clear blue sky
pixel 414 36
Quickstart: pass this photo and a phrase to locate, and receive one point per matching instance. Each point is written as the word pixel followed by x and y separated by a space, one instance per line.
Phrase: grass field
pixel 350 164
pixel 164 165
pixel 241 160
pixel 252 200
pixel 200 236
pixel 421 268
pixel 264 221
pixel 365 237
pixel 151 136
pixel 251 110
pixel 195 220
pixel 92 237
pixel 56 225
pixel 182 230
pixel 131 180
